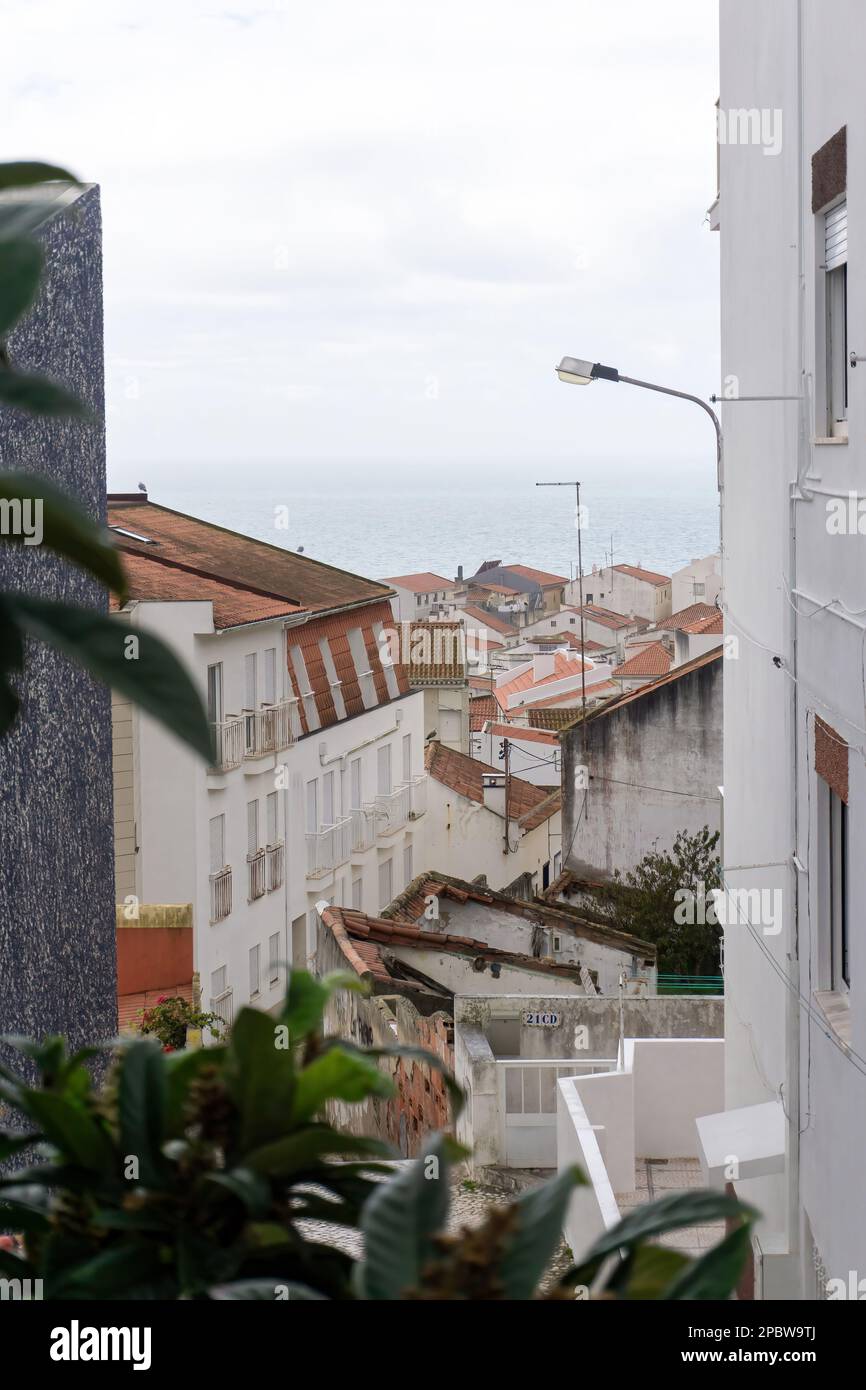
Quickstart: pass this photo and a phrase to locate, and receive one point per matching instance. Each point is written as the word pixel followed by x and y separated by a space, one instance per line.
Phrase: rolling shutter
pixel 836 236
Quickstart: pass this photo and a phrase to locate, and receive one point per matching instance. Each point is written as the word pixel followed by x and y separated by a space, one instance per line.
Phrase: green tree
pixel 665 900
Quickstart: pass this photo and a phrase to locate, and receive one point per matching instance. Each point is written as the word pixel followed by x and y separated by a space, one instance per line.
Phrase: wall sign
pixel 541 1020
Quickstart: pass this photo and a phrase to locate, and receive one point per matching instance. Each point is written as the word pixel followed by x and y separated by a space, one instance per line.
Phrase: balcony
pixel 220 894
pixel 363 820
pixel 223 1007
pixel 392 809
pixel 269 728
pixel 276 862
pixel 329 847
pixel 228 738
pixel 256 868
pixel 417 796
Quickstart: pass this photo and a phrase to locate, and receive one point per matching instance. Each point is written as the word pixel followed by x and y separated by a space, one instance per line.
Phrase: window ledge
pixel 830 439
pixel 836 1010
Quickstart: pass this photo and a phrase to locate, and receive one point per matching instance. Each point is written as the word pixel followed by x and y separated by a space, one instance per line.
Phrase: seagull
pixel 142 488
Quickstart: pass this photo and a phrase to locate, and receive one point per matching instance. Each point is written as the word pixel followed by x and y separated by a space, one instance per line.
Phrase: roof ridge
pixel 209 574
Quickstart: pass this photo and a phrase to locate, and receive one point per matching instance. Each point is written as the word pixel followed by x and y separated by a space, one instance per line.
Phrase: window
pixel 836 316
pixel 217 844
pixel 328 816
pixel 837 860
pixel 407 757
pixel 392 685
pixel 700 589
pixel 274 959
pixel 312 802
pixel 383 770
pixel 255 971
pixel 355 783
pixel 215 693
pixel 407 864
pixel 305 689
pixel 271 816
pixel 270 695
pixel 218 982
pixel 557 943
pixel 361 659
pixel 252 827
pixel 250 699
pixel 357 888
pixel 588 600
pixel 386 886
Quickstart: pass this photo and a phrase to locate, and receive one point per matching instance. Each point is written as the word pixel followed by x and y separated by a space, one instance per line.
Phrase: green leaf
pixel 13 1141
pixel 247 1187
pixel 266 1290
pixel 337 1075
pixel 117 1273
pixel 181 1069
pixel 715 1274
pixel 419 1054
pixel 141 1104
pixel 18 1212
pixel 304 1148
pixel 400 1220
pixel 38 396
pixel 71 1129
pixel 67 529
pixel 307 998
pixel 651 1269
pixel 261 1078
pixel 529 1249
pixel 25 173
pixel 20 269
pixel 15 1266
pixel 137 664
pixel 697 1208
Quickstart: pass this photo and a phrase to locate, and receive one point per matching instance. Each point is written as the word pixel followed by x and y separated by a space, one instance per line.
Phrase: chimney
pixel 543 664
pixel 459 574
pixel 493 788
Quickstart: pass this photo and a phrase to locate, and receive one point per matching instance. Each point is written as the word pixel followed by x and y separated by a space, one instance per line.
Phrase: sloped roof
pixel 481 708
pixel 152 579
pixel 651 661
pixel 606 617
pixel 529 805
pixel 420 583
pixel 492 620
pixel 540 577
pixel 644 692
pixel 694 613
pixel 706 627
pixel 564 668
pixel 648 576
pixel 436 653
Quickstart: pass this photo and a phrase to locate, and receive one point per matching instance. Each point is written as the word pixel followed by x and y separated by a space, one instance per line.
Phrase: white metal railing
pixel 276 864
pixel 392 809
pixel 228 738
pixel 417 796
pixel 221 894
pixel 223 1007
pixel 269 728
pixel 256 875
pixel 363 820
pixel 330 846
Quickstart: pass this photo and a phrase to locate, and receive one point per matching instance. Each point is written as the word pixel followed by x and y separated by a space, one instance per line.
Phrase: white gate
pixel 527 1106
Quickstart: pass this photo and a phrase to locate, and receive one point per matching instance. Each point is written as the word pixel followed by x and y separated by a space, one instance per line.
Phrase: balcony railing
pixel 256 875
pixel 221 894
pixel 223 1007
pixel 228 737
pixel 329 847
pixel 276 861
pixel 417 796
pixel 269 728
pixel 363 820
pixel 392 809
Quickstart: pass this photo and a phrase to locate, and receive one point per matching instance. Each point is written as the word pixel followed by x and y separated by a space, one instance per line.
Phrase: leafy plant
pixel 139 665
pixel 651 902
pixel 169 1018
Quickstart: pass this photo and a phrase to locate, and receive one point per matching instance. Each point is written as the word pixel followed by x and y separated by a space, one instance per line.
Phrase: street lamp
pixel 578 372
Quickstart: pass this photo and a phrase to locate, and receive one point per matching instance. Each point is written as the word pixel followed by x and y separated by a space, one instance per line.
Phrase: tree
pixel 666 899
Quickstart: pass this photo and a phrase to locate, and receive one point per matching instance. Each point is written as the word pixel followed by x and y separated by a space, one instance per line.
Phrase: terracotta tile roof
pixel 651 661
pixel 480 683
pixel 529 805
pixel 410 906
pixel 492 620
pixel 598 691
pixel 564 667
pixel 648 576
pixel 481 708
pixel 706 627
pixel 153 579
pixel 436 653
pixel 526 734
pixel 128 1005
pixel 334 629
pixel 421 583
pixel 550 717
pixel 606 617
pixel 692 614
pixel 364 940
pixel 541 577
pixel 494 588
pixel 644 691
pixel 227 555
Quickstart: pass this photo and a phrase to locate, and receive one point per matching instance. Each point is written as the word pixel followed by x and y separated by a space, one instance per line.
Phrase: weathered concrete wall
pixel 655 767
pixel 57 952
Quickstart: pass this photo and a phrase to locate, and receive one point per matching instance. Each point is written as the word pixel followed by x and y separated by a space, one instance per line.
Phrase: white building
pixel 700 581
pixel 420 595
pixel 533 754
pixel 627 589
pixel 317 789
pixel 793 307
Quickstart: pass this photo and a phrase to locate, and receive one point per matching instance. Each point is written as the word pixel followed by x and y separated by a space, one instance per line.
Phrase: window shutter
pixel 836 236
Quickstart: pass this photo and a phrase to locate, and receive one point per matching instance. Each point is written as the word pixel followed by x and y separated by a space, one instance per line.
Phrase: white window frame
pixel 255 963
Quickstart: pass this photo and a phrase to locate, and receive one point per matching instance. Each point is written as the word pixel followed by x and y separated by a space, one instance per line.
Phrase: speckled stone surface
pixel 57 951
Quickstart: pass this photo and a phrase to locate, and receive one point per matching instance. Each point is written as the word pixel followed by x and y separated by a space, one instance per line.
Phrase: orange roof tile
pixel 606 617
pixel 420 583
pixel 563 668
pixel 648 576
pixel 436 653
pixel 692 614
pixel 540 577
pixel 152 579
pixel 651 661
pixel 492 620
pixel 642 691
pixel 528 804
pixel 706 627
pixel 481 708
pixel 524 733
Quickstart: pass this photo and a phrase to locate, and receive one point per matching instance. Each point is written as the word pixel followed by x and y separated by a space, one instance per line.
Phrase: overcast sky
pixel 368 231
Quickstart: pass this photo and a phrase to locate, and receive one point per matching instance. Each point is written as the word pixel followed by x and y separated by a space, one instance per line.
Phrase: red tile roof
pixel 152 579
pixel 492 620
pixel 226 555
pixel 552 717
pixel 529 805
pixel 706 627
pixel 436 653
pixel 643 691
pixel 606 617
pixel 421 583
pixel 648 576
pixel 598 691
pixel 692 614
pixel 563 668
pixel 481 708
pixel 651 661
pixel 525 733
pixel 334 628
pixel 541 577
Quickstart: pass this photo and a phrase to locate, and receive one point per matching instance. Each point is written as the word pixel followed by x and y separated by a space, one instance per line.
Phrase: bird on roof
pixel 142 488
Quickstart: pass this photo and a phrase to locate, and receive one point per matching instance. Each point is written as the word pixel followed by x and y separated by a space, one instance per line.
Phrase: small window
pixel 837 841
pixel 836 316
pixel 270 676
pixel 357 888
pixel 255 971
pixel 557 943
pixel 589 600
pixel 274 959
pixel 218 983
pixel 407 865
pixel 386 889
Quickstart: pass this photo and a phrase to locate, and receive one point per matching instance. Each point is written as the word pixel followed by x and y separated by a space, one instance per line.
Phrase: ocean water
pixel 390 523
